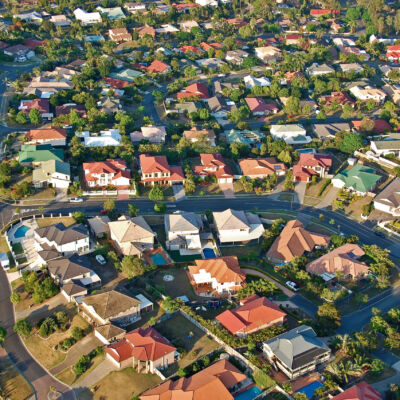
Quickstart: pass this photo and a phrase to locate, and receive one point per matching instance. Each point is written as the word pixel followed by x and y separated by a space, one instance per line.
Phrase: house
pixel 368 93
pixel 54 173
pixel 158 67
pixel 119 35
pixel 19 52
pixel 311 164
pixel 68 107
pixel 343 260
pixel 135 7
pixel 212 63
pixel 110 307
pixel 109 333
pixel 388 145
pixel 268 54
pixel 258 106
pixel 292 38
pixel 73 292
pixel 236 56
pixel 44 87
pixel 234 226
pixel 253 314
pixel 126 74
pixel 247 137
pixel 211 46
pixel 381 126
pixel 104 173
pixel 74 239
pixel 294 241
pixel 360 391
pixel 291 134
pixel 110 137
pixel 73 269
pixel 317 12
pixel 362 54
pixel 219 86
pixel 186 26
pixel 296 352
pixel 31 154
pixel 260 168
pixel 251 81
pixel 87 18
pixel 98 225
pixel 156 170
pixel 388 200
pixel 360 179
pixel 393 53
pixel 216 276
pixel 167 28
pixel 152 133
pixel 42 105
pixel 393 91
pixel 352 67
pixel 60 20
pixel 191 49
pixel 52 136
pixel 328 131
pixel 144 349
pixel 184 7
pixel 220 379
pixel 236 22
pixel 199 90
pixel 109 105
pixel 32 17
pixel 205 3
pixel 316 70
pixel 341 98
pixel 112 13
pixel 94 39
pixel 194 135
pixel 220 106
pixel 183 230
pixel 214 165
pixel 131 236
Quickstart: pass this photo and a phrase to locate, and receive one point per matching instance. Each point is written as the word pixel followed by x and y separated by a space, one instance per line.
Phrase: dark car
pixel 379 233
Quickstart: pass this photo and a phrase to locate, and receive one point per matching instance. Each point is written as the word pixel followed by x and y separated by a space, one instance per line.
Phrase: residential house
pixel 343 261
pixel 216 276
pixel 44 87
pixel 212 63
pixel 393 91
pixel 361 391
pixel 292 39
pixel 381 126
pixel 87 18
pixel 291 134
pixel 119 35
pixel 194 135
pixel 187 26
pixel 296 352
pixel 158 67
pixel 167 28
pixel 110 137
pixel 220 106
pixel 393 53
pixel 234 226
pixel 98 225
pixel 328 131
pixel 109 105
pixel 104 173
pixel 19 52
pixel 68 107
pixel 220 380
pixel 110 307
pixel 60 20
pixel 247 137
pixel 294 241
pixel 251 81
pixel 253 314
pixel 311 164
pixel 31 154
pixel 362 54
pixel 196 90
pixel 156 170
pixel 152 133
pixel 318 12
pixel 73 292
pixel 316 70
pixel 183 230
pixel 219 86
pixel 95 39
pixel 131 236
pixel 352 67
pixel 211 46
pixel 214 165
pixel 260 168
pixel 236 57
pixel 42 105
pixel 32 17
pixel 126 74
pixel 54 173
pixel 388 145
pixel 258 106
pixel 135 7
pixel 184 7
pixel 144 349
pixel 205 3
pixel 268 54
pixel 359 179
pixel 388 200
pixel 112 13
pixel 66 240
pixel 341 42
pixel 368 93
pixel 191 49
pixel 340 98
pixel 52 136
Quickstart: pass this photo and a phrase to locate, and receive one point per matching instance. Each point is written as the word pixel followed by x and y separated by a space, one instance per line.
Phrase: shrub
pixel 82 365
pixel 62 319
pixel 15 298
pixel 324 186
pixel 263 380
pixel 77 333
pixel 23 327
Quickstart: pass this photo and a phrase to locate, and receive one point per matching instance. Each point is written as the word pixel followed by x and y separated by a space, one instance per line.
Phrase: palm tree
pixel 361 361
pixel 349 368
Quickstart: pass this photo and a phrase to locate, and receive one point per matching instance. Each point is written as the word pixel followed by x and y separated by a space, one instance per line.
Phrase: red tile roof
pixel 257 104
pixel 66 109
pixel 46 134
pixel 43 105
pixel 207 46
pixel 117 167
pixel 341 97
pixel 152 164
pixel 193 49
pixel 381 125
pixel 196 90
pixel 324 12
pixel 184 6
pixel 213 164
pixel 157 67
pixel 117 83
pixel 361 391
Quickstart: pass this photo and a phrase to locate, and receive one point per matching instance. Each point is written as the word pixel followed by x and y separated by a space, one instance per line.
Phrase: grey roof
pixel 233 219
pixel 49 254
pixel 72 289
pixel 390 195
pixel 387 144
pixel 297 347
pixel 328 130
pixel 60 234
pixel 66 268
pixel 110 331
pixel 183 222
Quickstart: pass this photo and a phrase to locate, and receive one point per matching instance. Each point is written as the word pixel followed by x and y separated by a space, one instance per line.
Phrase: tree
pixel 133 210
pixel 288 184
pixel 82 365
pixel 328 319
pixel 156 193
pixel 132 266
pixel 292 106
pixel 23 327
pixel 5 173
pixel 35 117
pixel 21 118
pixel 109 205
pixel 3 334
pixel 79 217
pixel 160 207
pixel 77 333
pixel 15 298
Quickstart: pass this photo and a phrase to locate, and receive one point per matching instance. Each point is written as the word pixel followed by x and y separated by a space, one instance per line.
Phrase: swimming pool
pixel 209 253
pixel 306 151
pixel 249 394
pixel 158 259
pixel 309 389
pixel 21 232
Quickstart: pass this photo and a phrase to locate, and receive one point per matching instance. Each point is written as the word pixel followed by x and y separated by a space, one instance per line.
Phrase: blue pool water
pixel 249 394
pixel 306 151
pixel 209 253
pixel 21 232
pixel 158 259
pixel 310 388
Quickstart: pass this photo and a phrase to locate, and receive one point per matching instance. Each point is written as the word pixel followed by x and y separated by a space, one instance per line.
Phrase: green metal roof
pixel 360 178
pixel 38 153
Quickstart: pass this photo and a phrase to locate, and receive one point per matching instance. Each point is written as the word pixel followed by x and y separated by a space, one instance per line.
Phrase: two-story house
pixel 388 200
pixel 214 165
pixel 53 136
pixel 52 172
pixel 310 165
pixel 156 170
pixel 103 173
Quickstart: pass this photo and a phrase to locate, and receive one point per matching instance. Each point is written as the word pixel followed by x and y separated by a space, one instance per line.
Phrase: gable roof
pixel 294 240
pixel 151 164
pixel 196 89
pixel 361 391
pixel 60 234
pixel 260 166
pixel 157 66
pixel 66 268
pixel 130 229
pixel 360 178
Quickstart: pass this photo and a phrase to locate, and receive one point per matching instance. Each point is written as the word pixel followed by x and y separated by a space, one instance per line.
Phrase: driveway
pixel 179 192
pixel 304 304
pixel 330 196
pixel 300 190
pixel 227 190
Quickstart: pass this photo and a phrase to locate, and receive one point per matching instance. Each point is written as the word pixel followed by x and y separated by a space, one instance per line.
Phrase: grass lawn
pixel 388 372
pixel 43 349
pixel 238 187
pixel 127 382
pixel 25 298
pixel 67 221
pixel 241 251
pixel 160 231
pixel 318 228
pixel 13 384
pixel 68 375
pixel 154 219
pixel 177 330
pixel 176 256
pixel 17 248
pixel 211 188
pixel 5 249
pixel 285 215
pixel 167 190
pixel 354 209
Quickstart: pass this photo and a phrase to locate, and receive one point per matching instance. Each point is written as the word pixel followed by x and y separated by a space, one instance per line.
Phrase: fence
pixel 379 160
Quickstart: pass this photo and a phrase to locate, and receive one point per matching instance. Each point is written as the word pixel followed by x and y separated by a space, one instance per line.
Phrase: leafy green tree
pixel 328 319
pixel 5 174
pixel 288 184
pixel 44 290
pixel 3 334
pixel 132 266
pixel 30 280
pixel 35 117
pixel 77 333
pixel 109 205
pixel 133 210
pixel 292 106
pixel 156 193
pixel 21 118
pixel 160 207
pixel 23 327
pixel 82 364
pixel 79 217
pixel 15 298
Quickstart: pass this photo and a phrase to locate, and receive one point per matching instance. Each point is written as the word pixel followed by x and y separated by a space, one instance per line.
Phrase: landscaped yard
pixel 67 221
pixel 203 189
pixel 5 249
pixel 167 190
pixel 311 196
pixel 127 382
pixel 184 335
pixel 13 384
pixel 275 214
pixel 354 209
pixel 242 252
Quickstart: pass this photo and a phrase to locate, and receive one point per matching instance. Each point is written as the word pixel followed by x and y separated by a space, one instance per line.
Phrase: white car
pixel 292 286
pixel 100 259
pixel 76 200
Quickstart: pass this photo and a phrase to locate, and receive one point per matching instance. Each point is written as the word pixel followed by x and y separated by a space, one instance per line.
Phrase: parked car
pixel 76 200
pixel 102 211
pixel 292 286
pixel 100 259
pixel 379 233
